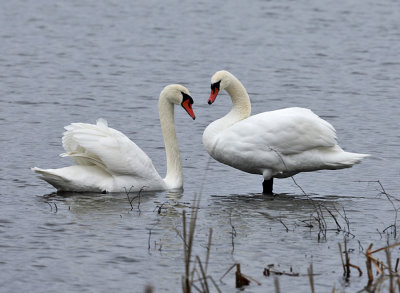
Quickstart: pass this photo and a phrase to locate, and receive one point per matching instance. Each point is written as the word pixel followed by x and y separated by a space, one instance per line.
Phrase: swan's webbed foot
pixel 267 186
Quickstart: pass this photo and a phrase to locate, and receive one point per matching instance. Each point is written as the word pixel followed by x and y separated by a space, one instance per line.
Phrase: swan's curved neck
pixel 241 109
pixel 241 106
pixel 174 177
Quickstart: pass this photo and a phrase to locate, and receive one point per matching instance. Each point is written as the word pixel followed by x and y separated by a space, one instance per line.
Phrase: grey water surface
pixel 77 61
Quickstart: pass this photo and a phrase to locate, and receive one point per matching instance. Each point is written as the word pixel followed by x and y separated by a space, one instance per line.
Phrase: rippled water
pixel 74 61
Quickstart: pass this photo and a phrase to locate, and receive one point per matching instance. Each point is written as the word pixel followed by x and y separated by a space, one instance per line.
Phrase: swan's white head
pixel 219 81
pixel 179 95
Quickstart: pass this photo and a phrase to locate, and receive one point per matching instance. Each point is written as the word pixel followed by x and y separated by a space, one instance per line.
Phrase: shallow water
pixel 70 61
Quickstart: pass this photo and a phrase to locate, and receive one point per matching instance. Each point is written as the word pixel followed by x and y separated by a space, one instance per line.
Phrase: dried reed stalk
pixel 311 277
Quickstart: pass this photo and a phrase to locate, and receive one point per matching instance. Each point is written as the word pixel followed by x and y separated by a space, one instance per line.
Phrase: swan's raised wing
pixel 288 131
pixel 109 149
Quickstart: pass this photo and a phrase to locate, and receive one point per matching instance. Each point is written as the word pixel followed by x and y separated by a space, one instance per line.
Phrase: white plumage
pixel 106 160
pixel 278 143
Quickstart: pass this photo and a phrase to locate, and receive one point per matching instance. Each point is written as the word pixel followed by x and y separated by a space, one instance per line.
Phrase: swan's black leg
pixel 267 186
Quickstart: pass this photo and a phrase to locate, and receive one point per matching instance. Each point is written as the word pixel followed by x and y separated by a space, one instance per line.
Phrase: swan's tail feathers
pixel 52 178
pixel 357 158
pixel 77 178
pixel 347 159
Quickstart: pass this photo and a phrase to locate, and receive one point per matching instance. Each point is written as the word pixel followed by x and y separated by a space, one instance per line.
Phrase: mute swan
pixel 108 161
pixel 277 144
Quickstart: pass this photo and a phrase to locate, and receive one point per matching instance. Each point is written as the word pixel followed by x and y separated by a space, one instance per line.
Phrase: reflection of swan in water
pixel 252 228
pixel 90 215
pixel 247 211
pixel 111 203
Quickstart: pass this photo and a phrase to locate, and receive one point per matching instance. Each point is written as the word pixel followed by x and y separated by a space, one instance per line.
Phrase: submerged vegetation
pixel 381 266
pixel 376 271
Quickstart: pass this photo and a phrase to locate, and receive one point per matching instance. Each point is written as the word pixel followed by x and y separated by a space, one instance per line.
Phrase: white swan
pixel 277 144
pixel 108 161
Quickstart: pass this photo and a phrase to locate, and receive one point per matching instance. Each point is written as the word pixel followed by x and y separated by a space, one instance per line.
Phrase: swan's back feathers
pixel 109 149
pixel 288 131
pixel 106 160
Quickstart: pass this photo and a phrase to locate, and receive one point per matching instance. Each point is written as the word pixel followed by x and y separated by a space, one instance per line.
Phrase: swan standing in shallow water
pixel 108 161
pixel 277 144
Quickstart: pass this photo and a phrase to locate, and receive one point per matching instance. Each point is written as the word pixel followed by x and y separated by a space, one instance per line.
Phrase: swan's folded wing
pixel 110 149
pixel 288 131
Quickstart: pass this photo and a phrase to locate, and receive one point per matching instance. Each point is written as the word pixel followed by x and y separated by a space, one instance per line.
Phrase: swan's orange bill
pixel 213 96
pixel 188 107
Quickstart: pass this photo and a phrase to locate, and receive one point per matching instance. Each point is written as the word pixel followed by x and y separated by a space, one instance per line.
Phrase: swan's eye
pixel 188 98
pixel 215 86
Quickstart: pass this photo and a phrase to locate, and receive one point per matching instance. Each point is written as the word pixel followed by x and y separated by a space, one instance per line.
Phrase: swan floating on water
pixel 275 144
pixel 106 160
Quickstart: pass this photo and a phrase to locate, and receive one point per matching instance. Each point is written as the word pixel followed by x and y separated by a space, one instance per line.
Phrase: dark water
pixel 74 61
